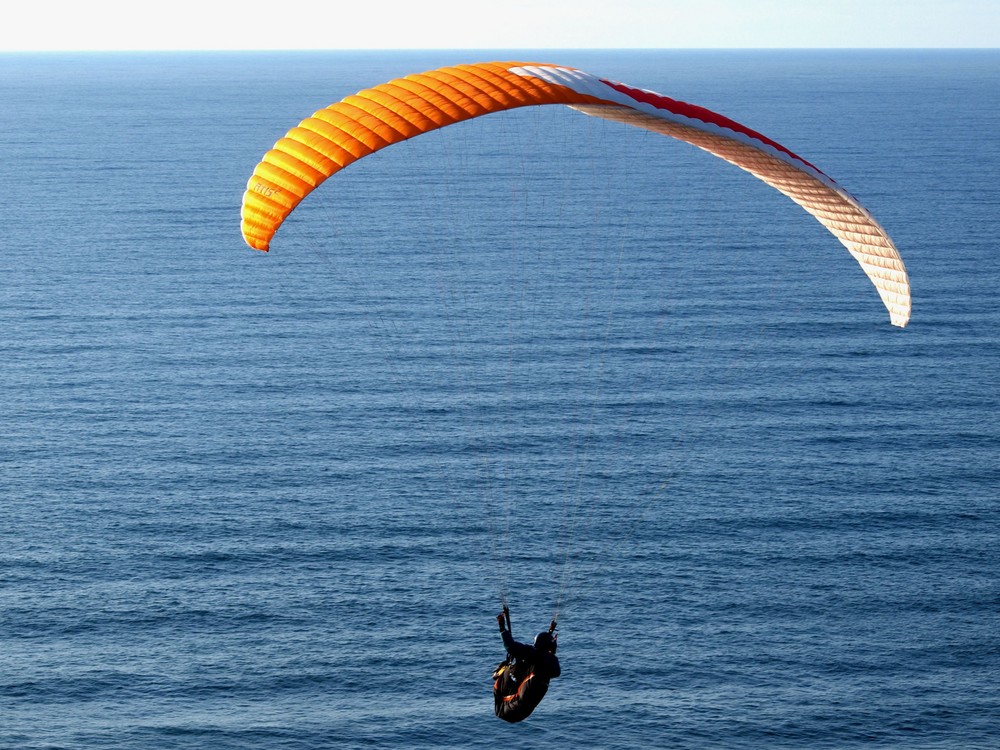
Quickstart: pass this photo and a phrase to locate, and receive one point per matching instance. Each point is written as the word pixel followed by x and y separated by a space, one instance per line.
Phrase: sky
pixel 511 24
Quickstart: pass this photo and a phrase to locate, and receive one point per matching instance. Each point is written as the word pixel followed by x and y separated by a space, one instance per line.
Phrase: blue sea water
pixel 275 501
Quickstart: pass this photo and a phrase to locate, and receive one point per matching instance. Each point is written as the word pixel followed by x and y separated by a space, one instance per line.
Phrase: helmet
pixel 544 641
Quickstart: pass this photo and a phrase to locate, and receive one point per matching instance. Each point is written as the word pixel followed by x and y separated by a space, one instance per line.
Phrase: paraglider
pixel 400 109
pixel 389 113
pixel 522 679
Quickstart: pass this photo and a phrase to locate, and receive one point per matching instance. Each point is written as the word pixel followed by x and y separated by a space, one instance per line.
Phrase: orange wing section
pixel 378 117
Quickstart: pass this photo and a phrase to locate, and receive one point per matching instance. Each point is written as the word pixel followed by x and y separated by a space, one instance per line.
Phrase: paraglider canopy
pixel 400 109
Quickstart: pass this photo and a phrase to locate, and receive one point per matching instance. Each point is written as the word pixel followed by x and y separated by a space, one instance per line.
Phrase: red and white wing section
pixel 816 192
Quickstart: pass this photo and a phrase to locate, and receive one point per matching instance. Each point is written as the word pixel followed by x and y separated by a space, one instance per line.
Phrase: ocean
pixel 276 500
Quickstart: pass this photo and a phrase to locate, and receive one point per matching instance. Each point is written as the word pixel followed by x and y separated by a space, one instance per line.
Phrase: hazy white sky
pixel 514 24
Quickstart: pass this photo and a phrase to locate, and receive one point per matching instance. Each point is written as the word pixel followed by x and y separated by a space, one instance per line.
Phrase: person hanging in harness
pixel 522 679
